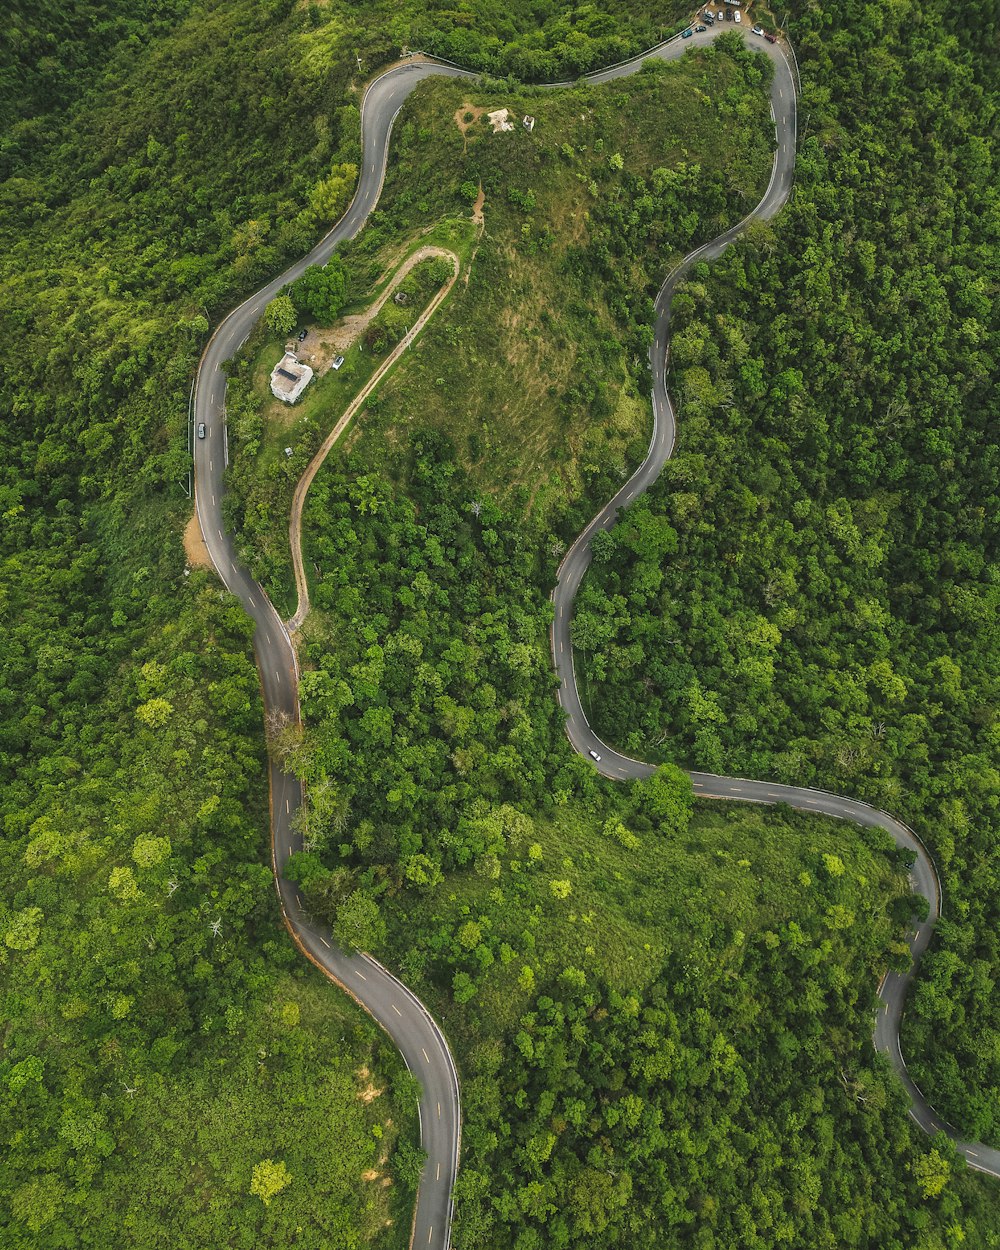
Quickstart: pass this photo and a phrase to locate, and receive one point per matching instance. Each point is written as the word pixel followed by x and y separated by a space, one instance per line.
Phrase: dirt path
pixel 306 480
pixel 348 330
pixel 194 545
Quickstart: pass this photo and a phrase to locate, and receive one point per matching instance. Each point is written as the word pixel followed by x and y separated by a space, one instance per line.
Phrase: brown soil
pixel 465 126
pixel 194 545
pixel 370 1174
pixel 348 330
pixel 369 1093
pixel 477 208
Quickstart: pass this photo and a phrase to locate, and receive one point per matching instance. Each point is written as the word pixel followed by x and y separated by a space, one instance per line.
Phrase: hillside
pixel 826 613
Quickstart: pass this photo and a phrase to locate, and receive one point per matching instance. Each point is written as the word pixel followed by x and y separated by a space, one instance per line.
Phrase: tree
pixel 321 290
pixel 330 196
pixel 280 316
pixel 359 922
pixel 269 1179
pixel 666 797
pixel 932 1173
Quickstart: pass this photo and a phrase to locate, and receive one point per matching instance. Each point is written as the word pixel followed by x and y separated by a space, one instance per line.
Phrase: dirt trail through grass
pixel 302 489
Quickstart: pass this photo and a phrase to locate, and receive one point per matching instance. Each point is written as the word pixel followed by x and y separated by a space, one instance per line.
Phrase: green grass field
pixel 704 897
pixel 536 371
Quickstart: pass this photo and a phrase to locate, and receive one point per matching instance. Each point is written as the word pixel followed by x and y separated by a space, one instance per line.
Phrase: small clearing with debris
pixel 194 545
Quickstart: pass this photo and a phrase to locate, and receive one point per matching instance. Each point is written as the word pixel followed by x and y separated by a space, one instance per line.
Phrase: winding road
pixel 389 1002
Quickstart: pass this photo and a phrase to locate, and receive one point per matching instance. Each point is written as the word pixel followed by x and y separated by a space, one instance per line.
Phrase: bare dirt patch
pixel 337 339
pixel 465 126
pixel 194 545
pixel 369 1093
pixel 477 208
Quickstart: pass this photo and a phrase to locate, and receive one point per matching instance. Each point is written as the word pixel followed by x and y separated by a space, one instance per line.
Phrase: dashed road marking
pixel 439 1111
pixel 326 943
pixel 424 1053
pixel 362 976
pixel 396 1010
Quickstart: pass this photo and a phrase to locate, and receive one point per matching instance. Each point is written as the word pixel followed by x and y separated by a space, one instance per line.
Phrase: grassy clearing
pixel 180 1177
pixel 537 369
pixel 703 897
pixel 536 366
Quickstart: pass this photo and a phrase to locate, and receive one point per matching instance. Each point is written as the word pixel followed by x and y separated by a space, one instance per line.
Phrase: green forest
pixel 661 1008
pixel 825 613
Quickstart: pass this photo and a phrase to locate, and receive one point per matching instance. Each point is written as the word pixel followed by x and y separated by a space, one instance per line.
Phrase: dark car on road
pixel 687 34
pixel 771 38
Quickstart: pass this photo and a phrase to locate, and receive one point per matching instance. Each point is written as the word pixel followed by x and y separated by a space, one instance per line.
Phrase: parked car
pixel 201 429
pixel 758 30
pixel 302 334
pixel 687 34
pixel 738 16
pixel 337 363
pixel 699 29
pixel 771 38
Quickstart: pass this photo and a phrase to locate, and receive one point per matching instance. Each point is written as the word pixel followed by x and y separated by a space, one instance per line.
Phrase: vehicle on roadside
pixel 771 38
pixel 738 16
pixel 687 34
pixel 758 30
pixel 335 364
pixel 302 334
pixel 595 756
pixel 699 29
pixel 201 429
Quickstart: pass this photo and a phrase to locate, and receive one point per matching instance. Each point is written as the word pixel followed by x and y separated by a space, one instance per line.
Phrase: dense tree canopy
pixel 809 591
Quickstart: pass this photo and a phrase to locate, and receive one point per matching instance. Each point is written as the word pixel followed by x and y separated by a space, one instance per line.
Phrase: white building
pixel 500 120
pixel 289 378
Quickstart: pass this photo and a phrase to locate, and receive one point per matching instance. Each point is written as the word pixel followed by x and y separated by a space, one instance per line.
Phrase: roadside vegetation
pixel 274 443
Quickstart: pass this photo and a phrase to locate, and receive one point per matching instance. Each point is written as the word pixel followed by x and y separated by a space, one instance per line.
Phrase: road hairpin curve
pixel 394 1007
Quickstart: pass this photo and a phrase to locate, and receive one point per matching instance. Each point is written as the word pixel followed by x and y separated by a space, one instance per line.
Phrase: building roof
pixel 289 378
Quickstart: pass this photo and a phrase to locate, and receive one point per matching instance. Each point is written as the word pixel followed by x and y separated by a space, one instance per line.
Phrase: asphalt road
pixel 618 767
pixel 390 1003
